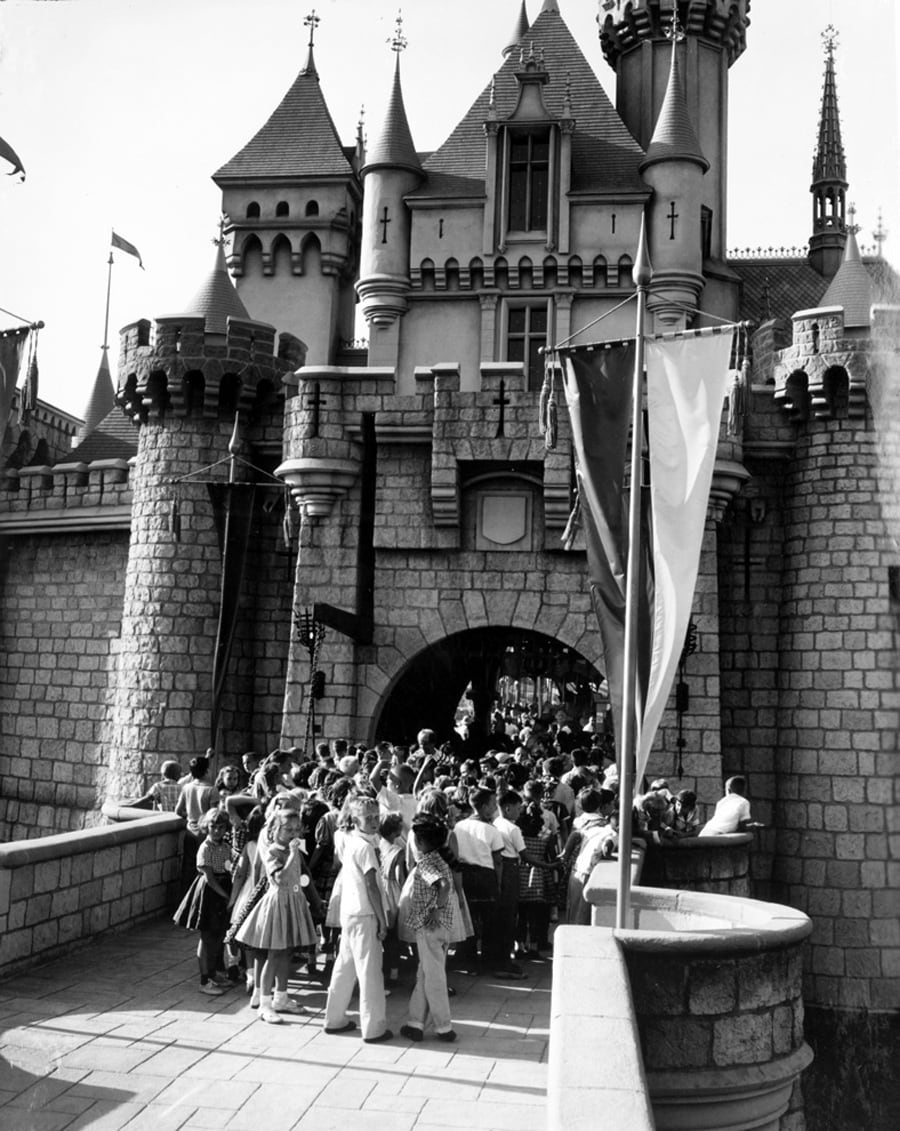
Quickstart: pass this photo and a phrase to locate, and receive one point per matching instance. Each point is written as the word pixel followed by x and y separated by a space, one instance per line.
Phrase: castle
pixel 396 518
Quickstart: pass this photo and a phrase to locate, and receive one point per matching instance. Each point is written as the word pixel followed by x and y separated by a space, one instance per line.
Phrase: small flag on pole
pixel 9 154
pixel 124 245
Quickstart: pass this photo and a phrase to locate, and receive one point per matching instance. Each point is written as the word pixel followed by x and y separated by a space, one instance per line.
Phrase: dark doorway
pixel 491 663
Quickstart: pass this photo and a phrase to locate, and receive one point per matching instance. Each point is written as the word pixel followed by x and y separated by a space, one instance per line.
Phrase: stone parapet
pixel 67 497
pixel 61 891
pixel 174 367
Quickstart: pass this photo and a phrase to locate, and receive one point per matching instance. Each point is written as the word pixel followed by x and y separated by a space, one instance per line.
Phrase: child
pixel 393 873
pixel 430 916
pixel 515 853
pixel 537 887
pixel 363 928
pixel 163 794
pixel 582 851
pixel 732 813
pixel 205 904
pixel 480 845
pixel 281 920
pixel 248 871
pixel 685 820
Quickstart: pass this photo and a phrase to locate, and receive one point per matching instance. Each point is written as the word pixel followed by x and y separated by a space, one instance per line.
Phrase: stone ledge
pixel 595 1053
pixel 19 854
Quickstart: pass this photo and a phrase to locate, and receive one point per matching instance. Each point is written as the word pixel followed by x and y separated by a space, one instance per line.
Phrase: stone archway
pixel 429 688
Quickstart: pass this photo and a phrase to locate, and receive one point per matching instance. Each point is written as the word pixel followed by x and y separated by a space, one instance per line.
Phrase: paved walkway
pixel 117 1036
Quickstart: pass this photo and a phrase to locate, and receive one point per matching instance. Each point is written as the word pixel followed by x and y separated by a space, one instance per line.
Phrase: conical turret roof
pixel 299 138
pixel 394 144
pixel 674 138
pixel 851 288
pixel 216 300
pixel 605 156
pixel 520 30
pixel 102 399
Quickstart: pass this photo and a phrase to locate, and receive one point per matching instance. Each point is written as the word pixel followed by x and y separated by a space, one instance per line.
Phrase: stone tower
pixel 184 380
pixel 292 199
pixel 633 35
pixel 392 170
pixel 674 167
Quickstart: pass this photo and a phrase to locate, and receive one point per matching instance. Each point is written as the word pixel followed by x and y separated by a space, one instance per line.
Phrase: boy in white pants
pixel 363 927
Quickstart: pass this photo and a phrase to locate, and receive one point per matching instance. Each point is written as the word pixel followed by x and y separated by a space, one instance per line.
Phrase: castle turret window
pixel 526 336
pixel 529 181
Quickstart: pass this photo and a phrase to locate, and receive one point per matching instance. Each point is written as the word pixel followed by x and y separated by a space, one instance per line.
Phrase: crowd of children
pixel 391 856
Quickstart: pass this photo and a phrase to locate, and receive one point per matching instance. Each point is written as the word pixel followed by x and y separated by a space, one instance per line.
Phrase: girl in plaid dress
pixel 537 886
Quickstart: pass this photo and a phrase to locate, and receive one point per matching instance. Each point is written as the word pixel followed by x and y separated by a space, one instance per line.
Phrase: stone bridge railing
pixel 57 892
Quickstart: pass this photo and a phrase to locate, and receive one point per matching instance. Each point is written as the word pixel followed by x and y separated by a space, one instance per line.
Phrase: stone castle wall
pixel 60 612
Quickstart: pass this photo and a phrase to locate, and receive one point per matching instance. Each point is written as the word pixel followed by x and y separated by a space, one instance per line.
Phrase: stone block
pixel 712 989
pixel 763 980
pixel 743 1039
pixel 677 1043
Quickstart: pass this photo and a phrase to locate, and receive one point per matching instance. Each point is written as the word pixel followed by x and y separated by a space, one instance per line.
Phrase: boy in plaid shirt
pixel 429 915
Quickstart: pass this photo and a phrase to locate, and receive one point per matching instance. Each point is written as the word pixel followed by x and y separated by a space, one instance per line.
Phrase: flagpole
pixel 105 345
pixel 642 274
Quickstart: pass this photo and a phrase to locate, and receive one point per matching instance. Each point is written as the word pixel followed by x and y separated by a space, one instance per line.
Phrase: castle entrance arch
pixel 509 666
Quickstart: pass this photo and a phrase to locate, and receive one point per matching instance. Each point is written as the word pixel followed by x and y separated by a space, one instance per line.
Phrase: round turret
pixel 392 169
pixel 634 40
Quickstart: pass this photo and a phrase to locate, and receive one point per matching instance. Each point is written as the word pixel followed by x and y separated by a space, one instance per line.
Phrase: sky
pixel 122 109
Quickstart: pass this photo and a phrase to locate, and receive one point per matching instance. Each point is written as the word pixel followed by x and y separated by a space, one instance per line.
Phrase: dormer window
pixel 529 180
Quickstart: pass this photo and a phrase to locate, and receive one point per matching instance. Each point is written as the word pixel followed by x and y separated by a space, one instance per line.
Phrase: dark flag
pixel 9 154
pixel 124 245
pixel 598 384
pixel 12 349
pixel 233 511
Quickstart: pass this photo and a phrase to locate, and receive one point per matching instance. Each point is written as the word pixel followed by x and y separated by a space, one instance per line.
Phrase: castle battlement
pixel 67 497
pixel 178 365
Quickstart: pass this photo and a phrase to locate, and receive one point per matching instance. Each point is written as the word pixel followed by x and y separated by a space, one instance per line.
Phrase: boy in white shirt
pixel 732 813
pixel 363 929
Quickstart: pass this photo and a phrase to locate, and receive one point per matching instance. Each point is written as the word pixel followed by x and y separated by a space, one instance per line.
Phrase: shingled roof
pixel 299 139
pixel 216 299
pixel 674 138
pixel 851 288
pixel 605 157
pixel 115 437
pixel 779 287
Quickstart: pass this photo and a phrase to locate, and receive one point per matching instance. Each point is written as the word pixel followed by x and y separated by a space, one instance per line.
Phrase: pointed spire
pixel 851 288
pixel 299 138
pixel 216 300
pixel 674 138
pixel 102 399
pixel 829 163
pixel 394 145
pixel 519 31
pixel 311 21
pixel 550 6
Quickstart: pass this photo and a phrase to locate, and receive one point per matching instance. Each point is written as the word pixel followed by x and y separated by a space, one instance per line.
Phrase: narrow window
pixel 529 182
pixel 282 208
pixel 253 210
pixel 525 337
pixel 706 221
pixel 312 209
